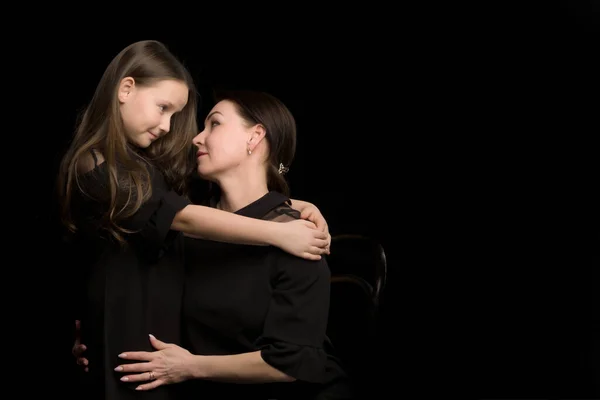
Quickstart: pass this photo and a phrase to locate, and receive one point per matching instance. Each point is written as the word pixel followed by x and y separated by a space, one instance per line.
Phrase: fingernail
pixel 124 379
pixel 152 336
pixel 123 355
pixel 138 388
pixel 119 369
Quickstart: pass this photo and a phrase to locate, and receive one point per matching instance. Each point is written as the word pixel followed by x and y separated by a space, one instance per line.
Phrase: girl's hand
pixel 302 239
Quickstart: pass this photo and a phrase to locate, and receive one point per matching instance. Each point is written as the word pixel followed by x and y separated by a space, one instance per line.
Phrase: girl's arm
pixel 299 237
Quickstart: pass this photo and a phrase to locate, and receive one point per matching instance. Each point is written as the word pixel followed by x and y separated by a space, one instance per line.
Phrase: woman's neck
pixel 238 192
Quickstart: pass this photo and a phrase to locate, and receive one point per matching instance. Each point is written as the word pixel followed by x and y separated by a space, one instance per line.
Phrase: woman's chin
pixel 203 174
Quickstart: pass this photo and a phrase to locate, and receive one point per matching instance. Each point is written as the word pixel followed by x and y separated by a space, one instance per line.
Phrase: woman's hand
pixel 170 364
pixel 302 239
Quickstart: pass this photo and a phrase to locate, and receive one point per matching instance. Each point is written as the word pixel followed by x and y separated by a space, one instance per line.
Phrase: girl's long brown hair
pixel 100 128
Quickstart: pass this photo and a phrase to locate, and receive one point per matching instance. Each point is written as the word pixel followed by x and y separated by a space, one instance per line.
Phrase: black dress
pixel 242 299
pixel 127 293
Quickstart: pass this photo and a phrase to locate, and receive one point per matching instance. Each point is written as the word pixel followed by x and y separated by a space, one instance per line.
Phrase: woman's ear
pixel 126 86
pixel 257 134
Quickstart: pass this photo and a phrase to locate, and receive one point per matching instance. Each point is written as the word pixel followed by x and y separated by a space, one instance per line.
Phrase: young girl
pixel 121 188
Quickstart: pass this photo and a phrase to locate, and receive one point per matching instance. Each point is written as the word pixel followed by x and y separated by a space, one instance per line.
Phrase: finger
pixel 320 243
pixel 151 385
pixel 318 250
pixel 321 235
pixel 309 224
pixel 310 256
pixel 87 369
pixel 143 377
pixel 138 355
pixel 320 223
pixel 137 367
pixel 82 361
pixel 305 214
pixel 315 219
pixel 79 349
pixel 158 344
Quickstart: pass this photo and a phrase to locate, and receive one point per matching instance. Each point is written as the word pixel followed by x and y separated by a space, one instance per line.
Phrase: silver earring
pixel 283 169
pixel 249 151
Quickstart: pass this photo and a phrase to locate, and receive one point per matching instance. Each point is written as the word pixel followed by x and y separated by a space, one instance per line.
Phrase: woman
pixel 255 318
pixel 121 188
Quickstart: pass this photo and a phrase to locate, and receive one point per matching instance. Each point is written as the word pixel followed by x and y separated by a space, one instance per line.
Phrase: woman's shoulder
pixel 298 269
pixel 280 209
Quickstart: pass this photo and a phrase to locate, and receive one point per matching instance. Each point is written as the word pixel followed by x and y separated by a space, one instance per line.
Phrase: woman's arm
pixel 298 237
pixel 173 364
pixel 298 313
pixel 238 368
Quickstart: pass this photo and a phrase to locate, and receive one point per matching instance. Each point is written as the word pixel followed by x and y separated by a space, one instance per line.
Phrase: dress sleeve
pixel 295 327
pixel 152 222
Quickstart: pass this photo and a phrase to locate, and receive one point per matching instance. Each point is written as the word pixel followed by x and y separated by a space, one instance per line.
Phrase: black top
pixel 241 299
pixel 127 293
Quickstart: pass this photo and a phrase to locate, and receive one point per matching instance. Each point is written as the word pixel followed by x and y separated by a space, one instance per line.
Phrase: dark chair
pixel 358 278
pixel 361 260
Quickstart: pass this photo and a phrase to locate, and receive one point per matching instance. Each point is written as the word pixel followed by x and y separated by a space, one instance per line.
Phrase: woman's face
pixel 224 143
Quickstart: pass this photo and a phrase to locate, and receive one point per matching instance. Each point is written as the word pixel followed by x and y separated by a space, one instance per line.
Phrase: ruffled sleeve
pixel 152 223
pixel 296 324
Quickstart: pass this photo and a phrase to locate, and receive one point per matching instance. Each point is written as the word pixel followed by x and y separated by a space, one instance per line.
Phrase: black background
pixel 463 138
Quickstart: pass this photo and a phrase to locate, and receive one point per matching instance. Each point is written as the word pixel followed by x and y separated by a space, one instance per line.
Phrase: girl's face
pixel 147 110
